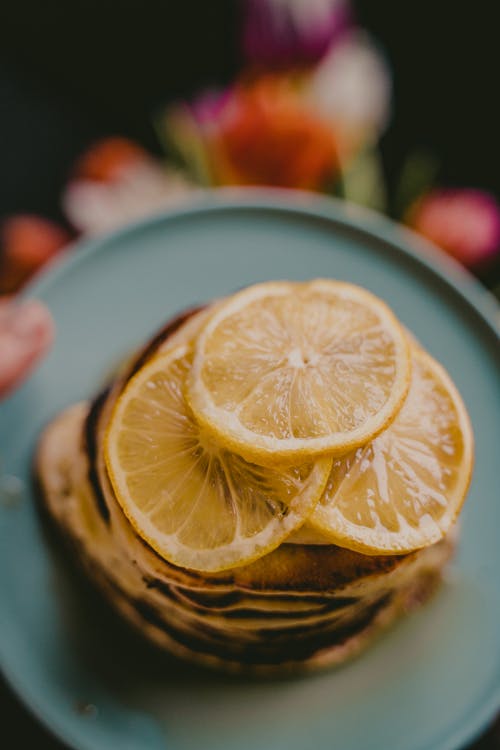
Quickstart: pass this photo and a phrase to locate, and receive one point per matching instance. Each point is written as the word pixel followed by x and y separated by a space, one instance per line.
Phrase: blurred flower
pixel 300 128
pixel 264 135
pixel 416 178
pixel 208 107
pixel 362 180
pixel 465 223
pixel 107 159
pixel 351 87
pixel 185 129
pixel 142 188
pixel 26 332
pixel 26 243
pixel 277 33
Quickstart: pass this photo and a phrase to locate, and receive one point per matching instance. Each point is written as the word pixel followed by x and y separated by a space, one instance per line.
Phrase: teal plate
pixel 430 683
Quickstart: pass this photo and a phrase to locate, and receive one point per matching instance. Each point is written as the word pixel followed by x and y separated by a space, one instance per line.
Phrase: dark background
pixel 72 71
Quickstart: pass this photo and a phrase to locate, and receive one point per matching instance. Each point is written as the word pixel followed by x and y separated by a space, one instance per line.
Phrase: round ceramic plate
pixel 431 682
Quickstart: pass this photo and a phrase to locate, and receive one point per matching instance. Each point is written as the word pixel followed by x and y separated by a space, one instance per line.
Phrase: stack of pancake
pixel 299 607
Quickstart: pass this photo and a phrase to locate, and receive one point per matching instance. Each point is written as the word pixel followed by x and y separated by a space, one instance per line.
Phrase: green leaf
pixel 181 139
pixel 363 180
pixel 417 177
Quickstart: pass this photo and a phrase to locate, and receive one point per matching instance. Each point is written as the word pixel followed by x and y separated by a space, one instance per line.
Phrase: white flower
pixel 352 87
pixel 142 189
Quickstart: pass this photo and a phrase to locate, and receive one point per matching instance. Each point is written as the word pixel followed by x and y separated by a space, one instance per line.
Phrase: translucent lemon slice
pixel 284 371
pixel 404 489
pixel 197 504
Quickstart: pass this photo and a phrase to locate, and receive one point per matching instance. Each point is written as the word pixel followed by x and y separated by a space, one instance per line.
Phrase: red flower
pixel 106 159
pixel 265 135
pixel 465 223
pixel 26 243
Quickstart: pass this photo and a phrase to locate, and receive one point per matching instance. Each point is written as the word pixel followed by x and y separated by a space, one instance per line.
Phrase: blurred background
pixel 405 93
pixel 110 111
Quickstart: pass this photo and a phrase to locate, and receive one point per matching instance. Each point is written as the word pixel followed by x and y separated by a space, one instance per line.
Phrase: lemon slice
pixel 284 371
pixel 198 505
pixel 404 490
pixel 189 330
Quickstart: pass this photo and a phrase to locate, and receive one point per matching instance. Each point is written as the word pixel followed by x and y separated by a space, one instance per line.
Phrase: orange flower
pixel 265 135
pixel 27 242
pixel 105 160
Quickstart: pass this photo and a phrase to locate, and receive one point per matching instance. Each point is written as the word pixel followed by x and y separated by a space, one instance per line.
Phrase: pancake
pixel 300 607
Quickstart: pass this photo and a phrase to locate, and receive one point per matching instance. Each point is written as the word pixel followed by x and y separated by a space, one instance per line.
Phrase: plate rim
pixel 355 218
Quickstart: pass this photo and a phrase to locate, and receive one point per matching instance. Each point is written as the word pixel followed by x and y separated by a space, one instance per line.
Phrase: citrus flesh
pixel 404 489
pixel 288 370
pixel 197 504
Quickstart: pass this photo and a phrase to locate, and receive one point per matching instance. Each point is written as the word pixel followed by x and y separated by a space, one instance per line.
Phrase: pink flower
pixel 208 107
pixel 277 33
pixel 26 332
pixel 465 223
